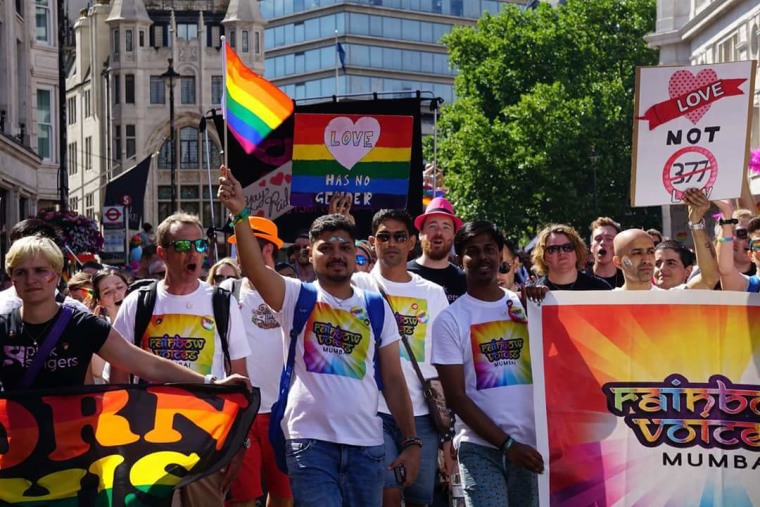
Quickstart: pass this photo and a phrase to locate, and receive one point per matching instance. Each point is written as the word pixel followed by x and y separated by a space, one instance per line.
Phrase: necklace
pixel 35 339
pixel 339 301
pixel 566 286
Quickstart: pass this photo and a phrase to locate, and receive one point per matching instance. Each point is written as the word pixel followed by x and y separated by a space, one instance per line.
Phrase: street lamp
pixel 170 75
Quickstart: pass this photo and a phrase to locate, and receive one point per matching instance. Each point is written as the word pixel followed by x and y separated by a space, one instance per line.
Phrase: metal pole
pixel 173 143
pixel 63 175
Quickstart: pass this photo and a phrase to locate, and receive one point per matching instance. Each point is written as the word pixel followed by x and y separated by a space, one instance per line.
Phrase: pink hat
pixel 438 207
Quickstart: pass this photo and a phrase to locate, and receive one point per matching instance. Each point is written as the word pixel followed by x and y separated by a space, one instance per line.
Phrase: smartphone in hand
pixel 400 473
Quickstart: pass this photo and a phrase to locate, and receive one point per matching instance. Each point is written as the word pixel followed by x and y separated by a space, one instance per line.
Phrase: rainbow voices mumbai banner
pixel 648 398
pixel 117 445
pixel 366 155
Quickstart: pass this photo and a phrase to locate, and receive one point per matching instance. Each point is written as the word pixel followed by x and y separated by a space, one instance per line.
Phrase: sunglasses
pixel 554 249
pixel 362 260
pixel 184 245
pixel 398 237
pixel 221 278
pixel 504 268
pixel 741 233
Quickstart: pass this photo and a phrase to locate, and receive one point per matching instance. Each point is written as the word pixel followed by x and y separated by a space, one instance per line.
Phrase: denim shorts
pixel 326 474
pixel 421 492
pixel 489 480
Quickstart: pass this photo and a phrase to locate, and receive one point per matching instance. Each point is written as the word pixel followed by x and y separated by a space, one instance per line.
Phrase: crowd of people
pixel 358 412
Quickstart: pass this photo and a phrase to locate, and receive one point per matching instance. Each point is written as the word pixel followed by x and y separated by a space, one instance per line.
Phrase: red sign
pixel 112 214
pixel 126 200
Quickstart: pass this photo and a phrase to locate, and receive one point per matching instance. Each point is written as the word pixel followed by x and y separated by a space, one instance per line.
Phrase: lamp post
pixel 593 158
pixel 170 75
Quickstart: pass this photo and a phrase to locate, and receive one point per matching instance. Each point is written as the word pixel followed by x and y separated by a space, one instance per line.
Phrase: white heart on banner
pixel 350 142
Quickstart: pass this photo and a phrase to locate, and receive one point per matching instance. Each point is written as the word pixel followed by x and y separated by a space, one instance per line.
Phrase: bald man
pixel 634 255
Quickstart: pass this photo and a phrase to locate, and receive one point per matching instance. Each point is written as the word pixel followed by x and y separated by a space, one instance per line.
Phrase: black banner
pixel 128 189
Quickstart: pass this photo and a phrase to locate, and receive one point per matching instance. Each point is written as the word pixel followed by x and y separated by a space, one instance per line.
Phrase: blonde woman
pixel 223 270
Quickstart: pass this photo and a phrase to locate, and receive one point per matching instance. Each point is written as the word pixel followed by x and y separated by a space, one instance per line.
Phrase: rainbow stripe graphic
pixel 253 107
pixel 640 406
pixel 367 155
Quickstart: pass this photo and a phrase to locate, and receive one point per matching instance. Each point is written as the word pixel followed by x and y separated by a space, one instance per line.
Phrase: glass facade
pixel 396 48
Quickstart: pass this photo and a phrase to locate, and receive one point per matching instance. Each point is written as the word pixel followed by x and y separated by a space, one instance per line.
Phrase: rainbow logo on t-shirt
pixel 184 339
pixel 412 318
pixel 501 354
pixel 336 342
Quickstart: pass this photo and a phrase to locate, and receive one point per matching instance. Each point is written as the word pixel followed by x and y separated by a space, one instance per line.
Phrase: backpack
pixel 307 298
pixel 220 300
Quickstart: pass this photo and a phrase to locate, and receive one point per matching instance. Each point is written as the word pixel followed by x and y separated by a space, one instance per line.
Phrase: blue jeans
pixel 421 492
pixel 324 474
pixel 489 480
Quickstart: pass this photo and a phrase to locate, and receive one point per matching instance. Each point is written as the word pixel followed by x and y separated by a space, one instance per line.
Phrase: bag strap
pixel 307 298
pixel 376 315
pixel 220 300
pixel 408 347
pixel 43 352
pixel 146 302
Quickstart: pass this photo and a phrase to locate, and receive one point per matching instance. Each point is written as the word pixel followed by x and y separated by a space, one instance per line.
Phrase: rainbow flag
pixel 367 155
pixel 252 106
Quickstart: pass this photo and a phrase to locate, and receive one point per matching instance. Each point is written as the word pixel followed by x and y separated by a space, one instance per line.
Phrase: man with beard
pixel 334 436
pixel 634 255
pixel 302 263
pixel 182 329
pixel 481 353
pixel 603 232
pixel 437 227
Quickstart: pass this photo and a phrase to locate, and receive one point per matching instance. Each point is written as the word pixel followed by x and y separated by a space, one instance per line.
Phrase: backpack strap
pixel 220 299
pixel 146 302
pixel 754 284
pixel 236 286
pixel 376 314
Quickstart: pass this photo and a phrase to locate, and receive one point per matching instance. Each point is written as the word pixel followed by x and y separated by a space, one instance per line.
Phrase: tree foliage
pixel 544 96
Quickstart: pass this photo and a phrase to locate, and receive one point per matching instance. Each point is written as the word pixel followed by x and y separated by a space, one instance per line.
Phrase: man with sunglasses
pixel 183 329
pixel 416 303
pixel 364 260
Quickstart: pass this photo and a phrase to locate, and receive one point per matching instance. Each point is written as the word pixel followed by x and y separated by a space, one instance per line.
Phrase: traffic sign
pixel 126 200
pixel 113 215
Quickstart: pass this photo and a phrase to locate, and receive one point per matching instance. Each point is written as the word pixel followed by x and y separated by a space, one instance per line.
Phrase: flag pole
pixel 337 61
pixel 224 95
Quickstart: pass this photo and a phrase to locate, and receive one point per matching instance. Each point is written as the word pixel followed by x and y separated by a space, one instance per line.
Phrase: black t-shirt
pixel 583 282
pixel 616 280
pixel 451 278
pixel 67 363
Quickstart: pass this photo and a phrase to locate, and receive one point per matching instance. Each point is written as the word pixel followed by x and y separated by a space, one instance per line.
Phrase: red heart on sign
pixel 683 82
pixel 276 179
pixel 260 213
pixel 288 178
pixel 263 183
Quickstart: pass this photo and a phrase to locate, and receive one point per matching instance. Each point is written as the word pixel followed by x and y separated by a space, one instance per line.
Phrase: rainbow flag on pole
pixel 252 106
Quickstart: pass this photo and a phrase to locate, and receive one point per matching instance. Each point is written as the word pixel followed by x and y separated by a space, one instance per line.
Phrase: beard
pixel 436 252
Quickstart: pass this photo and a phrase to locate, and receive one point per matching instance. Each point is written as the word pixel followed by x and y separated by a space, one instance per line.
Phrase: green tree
pixel 544 97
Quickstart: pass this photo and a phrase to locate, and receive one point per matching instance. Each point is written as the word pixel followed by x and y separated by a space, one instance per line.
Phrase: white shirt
pixel 652 287
pixel 334 396
pixel 183 329
pixel 9 301
pixel 490 341
pixel 265 362
pixel 415 304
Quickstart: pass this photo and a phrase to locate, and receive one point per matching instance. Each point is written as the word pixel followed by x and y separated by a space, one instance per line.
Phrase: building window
pixel 117 142
pixel 87 104
pixel 73 168
pixel 116 41
pixel 42 20
pixel 217 86
pixel 187 31
pixel 188 148
pixel 245 41
pixel 142 38
pixel 257 42
pixel 214 36
pixel 128 41
pixel 74 203
pixel 117 89
pixel 131 141
pixel 88 153
pixel 44 124
pixel 164 202
pixel 129 88
pixel 157 90
pixel 158 32
pixel 187 91
pixel 89 205
pixel 165 156
pixel 71 111
pixel 232 38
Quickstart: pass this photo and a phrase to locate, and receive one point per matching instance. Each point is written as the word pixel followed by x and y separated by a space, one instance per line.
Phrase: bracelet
pixel 209 379
pixel 506 445
pixel 728 221
pixel 725 240
pixel 236 219
pixel 410 441
pixel 697 226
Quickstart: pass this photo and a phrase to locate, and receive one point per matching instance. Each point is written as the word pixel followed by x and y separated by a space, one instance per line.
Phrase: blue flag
pixel 341 56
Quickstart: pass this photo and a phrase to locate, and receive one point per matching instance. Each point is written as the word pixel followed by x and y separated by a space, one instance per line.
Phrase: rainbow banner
pixel 253 107
pixel 648 398
pixel 366 155
pixel 117 445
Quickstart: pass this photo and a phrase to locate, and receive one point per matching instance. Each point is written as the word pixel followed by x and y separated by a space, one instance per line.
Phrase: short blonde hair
pixel 227 261
pixel 164 231
pixel 32 246
pixel 539 266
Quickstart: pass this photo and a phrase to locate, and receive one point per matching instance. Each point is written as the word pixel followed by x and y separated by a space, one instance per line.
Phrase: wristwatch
pixel 728 221
pixel 697 226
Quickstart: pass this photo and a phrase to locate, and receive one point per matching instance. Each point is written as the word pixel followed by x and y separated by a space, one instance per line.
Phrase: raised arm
pixel 268 282
pixel 730 277
pixel 703 248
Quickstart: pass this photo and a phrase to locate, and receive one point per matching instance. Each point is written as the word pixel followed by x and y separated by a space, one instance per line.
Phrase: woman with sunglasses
pixel 510 263
pixel 223 270
pixel 364 260
pixel 64 338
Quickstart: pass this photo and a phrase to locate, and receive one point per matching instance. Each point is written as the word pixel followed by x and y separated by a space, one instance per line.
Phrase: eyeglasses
pixel 754 245
pixel 554 249
pixel 184 245
pixel 741 233
pixel 361 260
pixel 398 237
pixel 221 278
pixel 504 268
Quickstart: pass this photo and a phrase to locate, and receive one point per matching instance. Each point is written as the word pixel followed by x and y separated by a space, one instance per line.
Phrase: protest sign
pixel 365 155
pixel 647 397
pixel 691 130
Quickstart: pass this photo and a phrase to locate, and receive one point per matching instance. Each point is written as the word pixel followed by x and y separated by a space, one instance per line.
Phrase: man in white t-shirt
pixel 264 366
pixel 334 436
pixel 416 303
pixel 183 328
pixel 483 359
